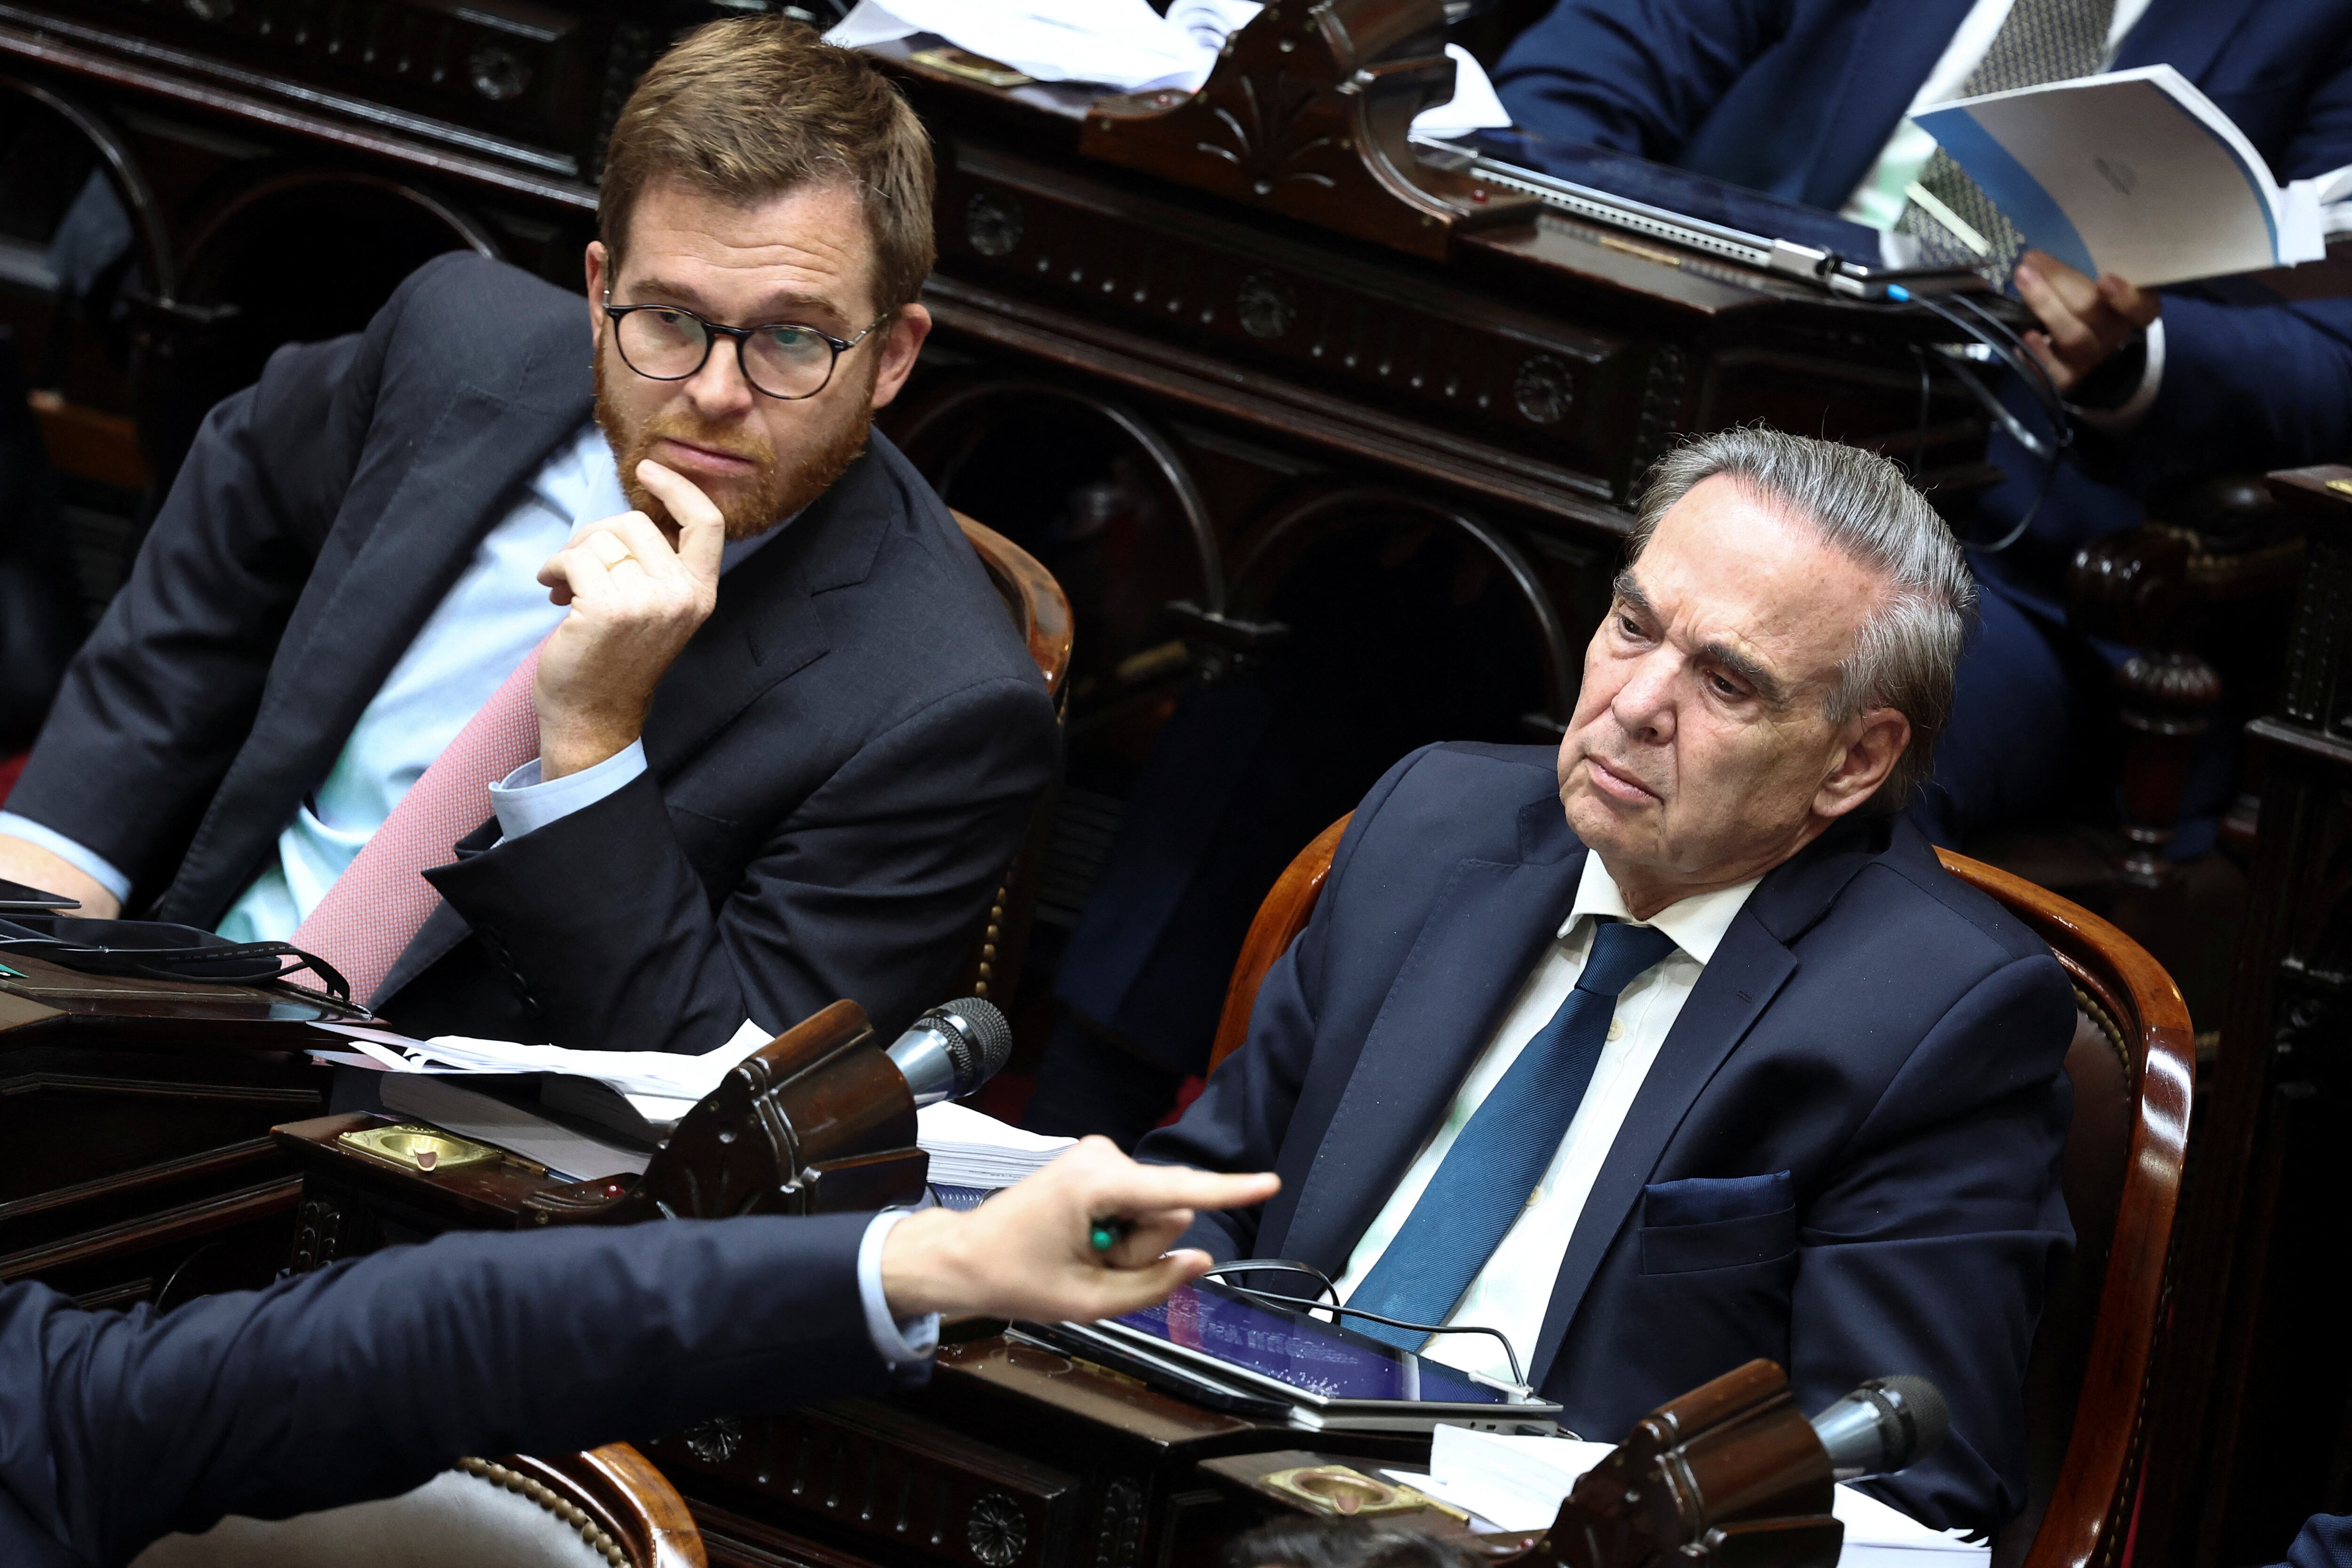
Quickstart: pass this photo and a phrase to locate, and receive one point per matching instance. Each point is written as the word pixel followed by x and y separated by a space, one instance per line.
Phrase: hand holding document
pixel 2137 174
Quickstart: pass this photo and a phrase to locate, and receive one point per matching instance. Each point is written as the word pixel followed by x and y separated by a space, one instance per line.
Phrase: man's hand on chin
pixel 1028 1251
pixel 38 868
pixel 636 602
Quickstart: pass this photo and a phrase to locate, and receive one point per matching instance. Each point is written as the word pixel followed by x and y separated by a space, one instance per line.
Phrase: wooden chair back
pixel 2131 1064
pixel 1042 612
pixel 608 1508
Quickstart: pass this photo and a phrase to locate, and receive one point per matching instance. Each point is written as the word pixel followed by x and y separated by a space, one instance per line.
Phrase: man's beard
pixel 776 489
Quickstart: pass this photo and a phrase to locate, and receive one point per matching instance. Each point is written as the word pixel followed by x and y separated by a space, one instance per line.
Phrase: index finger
pixel 1142 1190
pixel 701 531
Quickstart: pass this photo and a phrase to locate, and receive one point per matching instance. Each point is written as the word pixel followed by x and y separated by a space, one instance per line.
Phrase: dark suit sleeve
pixel 366 1379
pixel 1242 1117
pixel 870 890
pixel 2246 387
pixel 166 690
pixel 2323 1542
pixel 1932 1247
pixel 1637 76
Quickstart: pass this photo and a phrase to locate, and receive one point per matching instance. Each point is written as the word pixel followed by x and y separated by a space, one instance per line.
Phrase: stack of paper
pixel 1123 44
pixel 645 1093
pixel 2137 174
pixel 1518 1483
pixel 977 1153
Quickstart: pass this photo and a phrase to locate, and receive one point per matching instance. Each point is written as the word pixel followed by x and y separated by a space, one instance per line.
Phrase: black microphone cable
pixel 2012 351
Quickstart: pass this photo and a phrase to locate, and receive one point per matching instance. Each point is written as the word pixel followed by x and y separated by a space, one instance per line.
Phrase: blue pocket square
pixel 1702 1200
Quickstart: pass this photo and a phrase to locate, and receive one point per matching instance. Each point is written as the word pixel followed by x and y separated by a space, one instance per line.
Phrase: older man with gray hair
pixel 1680 1048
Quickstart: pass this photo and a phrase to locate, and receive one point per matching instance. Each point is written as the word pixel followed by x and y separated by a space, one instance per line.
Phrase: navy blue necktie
pixel 1504 1148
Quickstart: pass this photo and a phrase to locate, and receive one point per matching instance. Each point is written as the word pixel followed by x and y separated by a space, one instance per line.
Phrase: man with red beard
pixel 613 730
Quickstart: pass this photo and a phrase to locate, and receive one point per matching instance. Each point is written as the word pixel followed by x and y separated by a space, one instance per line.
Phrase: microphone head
pixel 979 1039
pixel 1883 1426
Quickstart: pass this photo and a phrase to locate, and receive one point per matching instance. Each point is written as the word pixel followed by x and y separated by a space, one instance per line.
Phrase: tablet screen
pixel 1304 1352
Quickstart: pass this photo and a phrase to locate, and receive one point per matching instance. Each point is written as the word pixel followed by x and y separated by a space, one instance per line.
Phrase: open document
pixel 2137 174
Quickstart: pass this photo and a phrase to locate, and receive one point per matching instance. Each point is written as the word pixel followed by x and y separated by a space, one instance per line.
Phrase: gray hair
pixel 1908 652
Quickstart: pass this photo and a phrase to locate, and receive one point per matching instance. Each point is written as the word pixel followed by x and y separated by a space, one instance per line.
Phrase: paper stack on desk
pixel 978 1153
pixel 1518 1483
pixel 971 1154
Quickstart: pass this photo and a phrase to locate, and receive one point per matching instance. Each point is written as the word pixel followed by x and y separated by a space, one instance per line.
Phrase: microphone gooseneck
pixel 952 1049
pixel 1884 1426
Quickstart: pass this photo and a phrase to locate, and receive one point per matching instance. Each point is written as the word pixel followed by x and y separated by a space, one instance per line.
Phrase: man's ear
pixel 905 333
pixel 598 280
pixel 1884 735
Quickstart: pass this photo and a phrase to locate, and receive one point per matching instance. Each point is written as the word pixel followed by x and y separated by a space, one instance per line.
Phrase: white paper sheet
pixel 665 1075
pixel 1124 45
pixel 1518 1483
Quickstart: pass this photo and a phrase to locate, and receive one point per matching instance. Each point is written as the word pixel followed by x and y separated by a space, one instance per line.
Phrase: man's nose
pixel 1644 704
pixel 717 390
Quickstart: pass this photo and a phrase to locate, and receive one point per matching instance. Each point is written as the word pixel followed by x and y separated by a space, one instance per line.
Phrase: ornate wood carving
pixel 1307 114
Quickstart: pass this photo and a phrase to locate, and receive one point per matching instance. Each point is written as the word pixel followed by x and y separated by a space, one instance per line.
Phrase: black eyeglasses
pixel 782 360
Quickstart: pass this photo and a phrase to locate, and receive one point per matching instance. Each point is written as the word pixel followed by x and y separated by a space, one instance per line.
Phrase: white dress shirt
pixel 1878 202
pixel 1513 1291
pixel 494 614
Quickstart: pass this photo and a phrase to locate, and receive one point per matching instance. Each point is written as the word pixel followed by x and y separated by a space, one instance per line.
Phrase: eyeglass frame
pixel 714 331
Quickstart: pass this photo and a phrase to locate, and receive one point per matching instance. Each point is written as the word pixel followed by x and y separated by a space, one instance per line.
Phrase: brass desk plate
pixel 972 68
pixel 419 1148
pixel 1343 1493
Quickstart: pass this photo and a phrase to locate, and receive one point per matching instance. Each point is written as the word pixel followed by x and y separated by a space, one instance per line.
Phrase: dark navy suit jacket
pixel 1798 98
pixel 840 763
pixel 1886 1036
pixel 366 1379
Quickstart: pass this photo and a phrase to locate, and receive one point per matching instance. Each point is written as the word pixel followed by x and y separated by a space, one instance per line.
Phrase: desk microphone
pixel 952 1049
pixel 1881 1426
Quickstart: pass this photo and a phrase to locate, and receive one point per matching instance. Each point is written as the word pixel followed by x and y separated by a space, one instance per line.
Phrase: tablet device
pixel 1216 1345
pixel 15 898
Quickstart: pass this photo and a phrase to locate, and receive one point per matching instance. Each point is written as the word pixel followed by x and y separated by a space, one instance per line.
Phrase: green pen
pixel 1107 1234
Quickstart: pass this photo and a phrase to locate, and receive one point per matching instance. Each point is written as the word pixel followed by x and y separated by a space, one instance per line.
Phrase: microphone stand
pixel 1730 1474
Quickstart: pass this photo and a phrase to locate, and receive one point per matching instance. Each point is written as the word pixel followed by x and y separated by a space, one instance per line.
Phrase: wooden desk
pixel 141 1166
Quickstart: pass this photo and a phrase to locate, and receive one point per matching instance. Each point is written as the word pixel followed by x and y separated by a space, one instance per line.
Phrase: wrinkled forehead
pixel 1728 565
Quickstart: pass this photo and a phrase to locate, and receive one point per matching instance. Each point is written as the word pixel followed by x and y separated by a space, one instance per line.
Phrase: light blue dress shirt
pixel 494 614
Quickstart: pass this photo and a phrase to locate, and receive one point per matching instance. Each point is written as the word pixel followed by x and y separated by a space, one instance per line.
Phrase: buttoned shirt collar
pixel 1697 923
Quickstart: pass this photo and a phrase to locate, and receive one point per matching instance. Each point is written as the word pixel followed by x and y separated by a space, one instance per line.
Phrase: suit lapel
pixel 381 581
pixel 771 621
pixel 1481 934
pixel 1897 43
pixel 2186 35
pixel 1737 985
pixel 1747 972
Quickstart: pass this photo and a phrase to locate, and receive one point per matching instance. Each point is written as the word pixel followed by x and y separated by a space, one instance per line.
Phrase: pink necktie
pixel 378 904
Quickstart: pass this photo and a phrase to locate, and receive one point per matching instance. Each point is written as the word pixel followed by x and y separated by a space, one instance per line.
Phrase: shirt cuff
pixel 523 803
pixel 901 1342
pixel 2132 409
pixel 81 857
